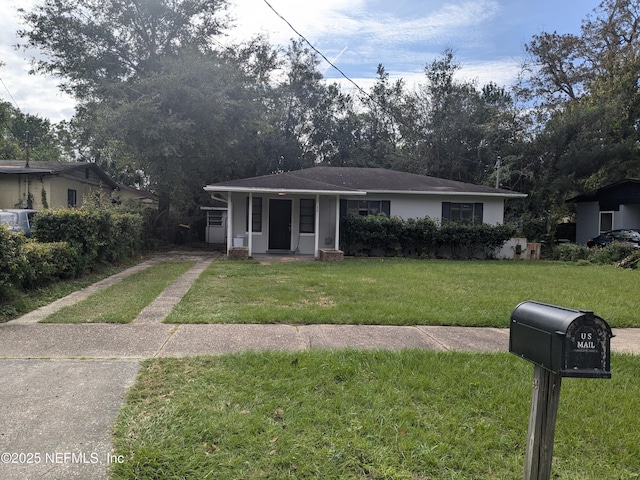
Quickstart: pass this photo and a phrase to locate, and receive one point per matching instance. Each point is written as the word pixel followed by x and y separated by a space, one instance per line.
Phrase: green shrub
pixel 43 263
pixel 467 240
pixel 10 261
pixel 378 235
pixel 612 253
pixel 126 236
pixel 100 235
pixel 571 252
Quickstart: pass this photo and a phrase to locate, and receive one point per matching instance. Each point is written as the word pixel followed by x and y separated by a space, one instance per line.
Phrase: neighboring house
pixel 59 184
pixel 300 211
pixel 611 207
pixel 126 192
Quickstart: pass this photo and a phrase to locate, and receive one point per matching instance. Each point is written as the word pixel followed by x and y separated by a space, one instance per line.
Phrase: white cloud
pixel 34 94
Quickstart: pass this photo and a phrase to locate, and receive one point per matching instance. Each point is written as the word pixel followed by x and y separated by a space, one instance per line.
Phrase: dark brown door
pixel 279 224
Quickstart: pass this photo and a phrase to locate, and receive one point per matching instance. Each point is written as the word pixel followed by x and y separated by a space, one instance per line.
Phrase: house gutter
pixel 456 194
pixel 282 191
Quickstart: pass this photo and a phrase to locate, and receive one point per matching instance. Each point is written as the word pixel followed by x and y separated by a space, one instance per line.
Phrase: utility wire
pixel 319 52
pixel 388 111
pixel 11 96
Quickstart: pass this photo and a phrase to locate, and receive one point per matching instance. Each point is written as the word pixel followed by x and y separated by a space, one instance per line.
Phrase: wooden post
pixel 542 424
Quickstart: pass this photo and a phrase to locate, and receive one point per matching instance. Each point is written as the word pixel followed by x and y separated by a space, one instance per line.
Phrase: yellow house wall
pixel 14 188
pixel 9 189
pixel 60 185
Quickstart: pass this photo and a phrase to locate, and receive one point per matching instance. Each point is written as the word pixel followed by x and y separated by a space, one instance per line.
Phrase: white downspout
pixel 337 237
pixel 250 222
pixel 229 223
pixel 316 236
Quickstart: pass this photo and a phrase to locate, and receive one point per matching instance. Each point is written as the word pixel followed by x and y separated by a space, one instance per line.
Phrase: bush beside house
pixel 101 236
pixel 612 253
pixel 65 244
pixel 380 235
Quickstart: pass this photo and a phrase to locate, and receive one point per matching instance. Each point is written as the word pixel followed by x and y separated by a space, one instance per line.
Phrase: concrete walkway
pixel 63 385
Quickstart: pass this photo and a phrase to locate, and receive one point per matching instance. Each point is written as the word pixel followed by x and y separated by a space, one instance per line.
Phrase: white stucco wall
pixel 418 206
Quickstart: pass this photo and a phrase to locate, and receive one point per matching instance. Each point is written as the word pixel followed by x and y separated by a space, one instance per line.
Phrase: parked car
pixel 18 220
pixel 628 236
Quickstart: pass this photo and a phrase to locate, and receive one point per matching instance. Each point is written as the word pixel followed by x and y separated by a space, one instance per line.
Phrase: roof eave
pixel 450 193
pixel 280 191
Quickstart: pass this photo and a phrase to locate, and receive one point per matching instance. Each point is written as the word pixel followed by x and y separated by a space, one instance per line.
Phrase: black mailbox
pixel 571 343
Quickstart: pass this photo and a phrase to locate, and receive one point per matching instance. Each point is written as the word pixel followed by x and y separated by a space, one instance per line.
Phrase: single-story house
pixel 59 184
pixel 611 207
pixel 300 211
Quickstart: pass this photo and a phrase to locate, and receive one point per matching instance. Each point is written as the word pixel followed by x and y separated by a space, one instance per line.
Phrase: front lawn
pixel 22 302
pixel 403 292
pixel 368 414
pixel 124 300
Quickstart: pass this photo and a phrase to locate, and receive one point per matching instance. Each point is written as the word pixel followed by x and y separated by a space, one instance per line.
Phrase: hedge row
pixel 101 236
pixel 65 244
pixel 380 235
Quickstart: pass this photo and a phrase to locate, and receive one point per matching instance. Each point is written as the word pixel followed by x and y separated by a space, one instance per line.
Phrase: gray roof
pixel 628 185
pixel 353 180
pixel 37 167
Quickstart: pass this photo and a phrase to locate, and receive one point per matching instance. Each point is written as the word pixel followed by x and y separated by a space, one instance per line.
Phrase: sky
pixel 487 36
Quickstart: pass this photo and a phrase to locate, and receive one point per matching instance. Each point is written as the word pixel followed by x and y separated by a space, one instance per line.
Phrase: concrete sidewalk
pixel 63 385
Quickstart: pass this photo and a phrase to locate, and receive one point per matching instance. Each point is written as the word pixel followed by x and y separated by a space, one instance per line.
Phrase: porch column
pixel 250 222
pixel 316 236
pixel 229 223
pixel 337 236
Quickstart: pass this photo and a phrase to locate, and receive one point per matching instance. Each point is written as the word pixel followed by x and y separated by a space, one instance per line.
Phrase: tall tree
pixel 457 130
pixel 23 134
pixel 588 95
pixel 109 54
pixel 379 137
pixel 90 42
pixel 195 121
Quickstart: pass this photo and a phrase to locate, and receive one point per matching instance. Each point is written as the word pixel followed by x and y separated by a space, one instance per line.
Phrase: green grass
pixel 403 292
pixel 368 415
pixel 21 302
pixel 123 301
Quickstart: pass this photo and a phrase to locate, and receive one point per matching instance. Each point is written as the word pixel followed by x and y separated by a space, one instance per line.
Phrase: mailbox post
pixel 560 342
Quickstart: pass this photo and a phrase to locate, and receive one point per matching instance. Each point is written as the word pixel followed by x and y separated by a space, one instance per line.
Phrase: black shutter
pixel 386 207
pixel 478 212
pixel 343 208
pixel 446 211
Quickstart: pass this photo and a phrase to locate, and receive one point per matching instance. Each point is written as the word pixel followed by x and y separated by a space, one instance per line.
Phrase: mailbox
pixel 571 343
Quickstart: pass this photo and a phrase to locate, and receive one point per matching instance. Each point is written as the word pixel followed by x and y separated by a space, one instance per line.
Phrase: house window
pixel 215 218
pixel 72 197
pixel 368 207
pixel 462 212
pixel 606 221
pixel 256 216
pixel 307 215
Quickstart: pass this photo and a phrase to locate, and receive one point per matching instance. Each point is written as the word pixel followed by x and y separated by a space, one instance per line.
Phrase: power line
pixel 385 109
pixel 7 89
pixel 319 52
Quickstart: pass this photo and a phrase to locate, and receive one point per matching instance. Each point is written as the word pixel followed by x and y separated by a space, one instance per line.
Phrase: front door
pixel 279 224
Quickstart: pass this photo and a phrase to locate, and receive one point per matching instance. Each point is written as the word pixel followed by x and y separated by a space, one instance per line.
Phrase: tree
pixel 193 122
pixel 111 55
pixel 586 101
pixel 337 129
pixel 455 130
pixel 19 130
pixel 91 44
pixel 380 123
